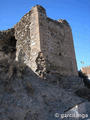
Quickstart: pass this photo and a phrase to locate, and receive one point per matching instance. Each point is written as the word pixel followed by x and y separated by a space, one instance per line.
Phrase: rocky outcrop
pixel 25 96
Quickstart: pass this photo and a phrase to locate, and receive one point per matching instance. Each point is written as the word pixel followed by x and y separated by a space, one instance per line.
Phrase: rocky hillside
pixel 43 94
pixel 25 96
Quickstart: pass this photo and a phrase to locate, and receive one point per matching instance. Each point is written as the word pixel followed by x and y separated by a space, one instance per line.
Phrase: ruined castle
pixel 43 44
pixel 38 71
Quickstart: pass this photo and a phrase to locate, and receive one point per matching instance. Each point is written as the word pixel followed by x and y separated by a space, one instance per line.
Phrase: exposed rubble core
pixel 37 33
pixel 41 65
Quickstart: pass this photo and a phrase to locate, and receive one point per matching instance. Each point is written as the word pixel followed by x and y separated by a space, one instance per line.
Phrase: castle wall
pixel 57 45
pixel 28 40
pixel 45 45
pixel 22 34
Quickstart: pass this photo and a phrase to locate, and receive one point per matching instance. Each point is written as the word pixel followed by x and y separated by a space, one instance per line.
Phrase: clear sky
pixel 76 12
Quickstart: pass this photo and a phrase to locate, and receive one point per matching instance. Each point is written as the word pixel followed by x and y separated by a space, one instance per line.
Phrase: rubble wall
pixel 45 45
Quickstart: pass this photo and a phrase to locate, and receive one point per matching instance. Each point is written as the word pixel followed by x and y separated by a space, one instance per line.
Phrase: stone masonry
pixel 44 44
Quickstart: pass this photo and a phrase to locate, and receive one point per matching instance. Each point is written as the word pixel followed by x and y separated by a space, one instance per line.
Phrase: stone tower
pixel 45 45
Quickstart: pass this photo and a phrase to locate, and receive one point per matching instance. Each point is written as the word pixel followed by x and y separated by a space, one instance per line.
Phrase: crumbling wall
pixel 35 34
pixel 27 35
pixel 7 45
pixel 22 34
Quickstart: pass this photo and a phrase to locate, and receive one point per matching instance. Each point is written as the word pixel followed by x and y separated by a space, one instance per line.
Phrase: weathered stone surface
pixel 35 34
pixel 7 44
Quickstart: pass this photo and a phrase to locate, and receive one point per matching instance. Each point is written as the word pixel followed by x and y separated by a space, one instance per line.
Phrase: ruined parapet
pixel 45 45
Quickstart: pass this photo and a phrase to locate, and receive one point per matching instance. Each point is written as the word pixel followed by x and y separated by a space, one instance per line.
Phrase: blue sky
pixel 76 12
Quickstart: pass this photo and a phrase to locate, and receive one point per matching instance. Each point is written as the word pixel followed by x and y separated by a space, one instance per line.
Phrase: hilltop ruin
pixel 43 44
pixel 38 71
